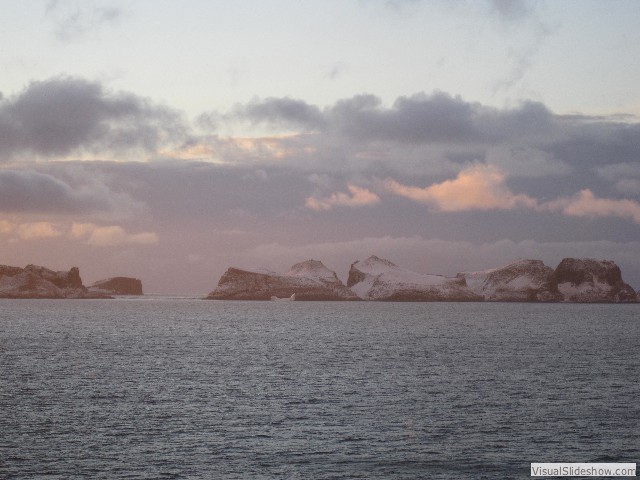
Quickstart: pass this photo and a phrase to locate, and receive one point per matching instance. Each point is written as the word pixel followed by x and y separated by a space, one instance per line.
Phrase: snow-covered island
pixel 574 280
pixel 35 281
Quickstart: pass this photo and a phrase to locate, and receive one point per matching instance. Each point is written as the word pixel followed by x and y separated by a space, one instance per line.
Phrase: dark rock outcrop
pixel 592 281
pixel 521 281
pixel 309 280
pixel 118 286
pixel 382 280
pixel 35 281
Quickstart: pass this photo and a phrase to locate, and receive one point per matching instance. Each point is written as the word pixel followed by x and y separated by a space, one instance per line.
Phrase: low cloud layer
pixel 29 191
pixel 87 233
pixel 110 236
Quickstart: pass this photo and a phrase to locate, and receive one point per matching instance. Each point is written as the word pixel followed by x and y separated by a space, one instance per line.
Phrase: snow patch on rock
pixel 378 279
pixel 520 281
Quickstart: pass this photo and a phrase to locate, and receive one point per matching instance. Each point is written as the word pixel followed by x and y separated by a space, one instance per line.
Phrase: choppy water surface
pixel 177 388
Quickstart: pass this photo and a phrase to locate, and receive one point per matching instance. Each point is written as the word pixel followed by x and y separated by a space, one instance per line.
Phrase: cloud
pixel 586 204
pixel 418 119
pixel 335 70
pixel 34 192
pixel 528 162
pixel 624 176
pixel 284 111
pixel 425 134
pixel 31 230
pixel 64 115
pixel 37 230
pixel 73 20
pixel 480 187
pixel 110 236
pixel 510 10
pixel 88 233
pixel 357 197
pixel 526 34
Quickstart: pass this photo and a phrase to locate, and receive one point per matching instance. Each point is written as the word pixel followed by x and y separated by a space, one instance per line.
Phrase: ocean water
pixel 172 388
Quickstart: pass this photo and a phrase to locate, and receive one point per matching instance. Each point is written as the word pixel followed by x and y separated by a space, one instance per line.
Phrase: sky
pixel 169 140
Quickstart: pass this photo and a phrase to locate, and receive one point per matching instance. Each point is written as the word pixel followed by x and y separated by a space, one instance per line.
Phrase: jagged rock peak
pixel 374 261
pixel 372 265
pixel 314 268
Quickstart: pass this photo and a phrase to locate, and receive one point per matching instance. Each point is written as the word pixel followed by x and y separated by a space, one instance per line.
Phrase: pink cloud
pixel 111 235
pixel 30 231
pixel 480 187
pixel 586 204
pixel 357 197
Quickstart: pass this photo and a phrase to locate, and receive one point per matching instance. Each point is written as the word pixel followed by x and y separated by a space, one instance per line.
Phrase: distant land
pixel 573 280
pixel 35 281
pixel 117 286
pixel 373 279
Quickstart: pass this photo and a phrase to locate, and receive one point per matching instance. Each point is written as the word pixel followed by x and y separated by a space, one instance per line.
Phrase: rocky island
pixel 573 280
pixel 35 281
pixel 118 286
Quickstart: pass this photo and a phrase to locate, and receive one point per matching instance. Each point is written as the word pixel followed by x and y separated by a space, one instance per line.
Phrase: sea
pixel 184 388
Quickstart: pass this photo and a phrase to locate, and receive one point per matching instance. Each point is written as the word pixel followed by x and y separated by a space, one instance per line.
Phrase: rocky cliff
pixel 118 286
pixel 35 281
pixel 309 280
pixel 592 281
pixel 382 280
pixel 521 281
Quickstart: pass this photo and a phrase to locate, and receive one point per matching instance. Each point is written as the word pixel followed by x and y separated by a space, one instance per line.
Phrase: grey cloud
pixel 285 111
pixel 510 10
pixel 417 119
pixel 624 176
pixel 434 133
pixel 34 192
pixel 62 115
pixel 336 70
pixel 75 19
pixel 526 36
